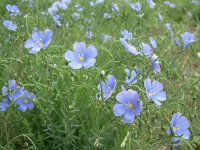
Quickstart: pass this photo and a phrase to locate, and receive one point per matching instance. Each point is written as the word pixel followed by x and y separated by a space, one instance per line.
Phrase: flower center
pixel 7 105
pixel 26 101
pixel 81 57
pixel 130 106
pixel 152 93
pixel 176 128
pixel 109 90
pixel 40 42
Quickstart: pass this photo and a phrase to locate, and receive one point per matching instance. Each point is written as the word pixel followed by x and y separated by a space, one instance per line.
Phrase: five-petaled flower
pixel 127 35
pixel 40 40
pixel 25 103
pixel 179 125
pixel 82 56
pixel 13 9
pixel 187 38
pixel 108 87
pixel 9 25
pixel 130 107
pixel 154 91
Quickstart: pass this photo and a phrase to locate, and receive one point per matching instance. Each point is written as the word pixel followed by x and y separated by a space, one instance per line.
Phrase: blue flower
pixel 141 15
pixel 180 125
pixel 130 107
pixel 160 16
pixel 13 9
pixel 195 2
pixel 88 34
pixel 136 6
pixel 155 64
pixel 145 49
pixel 132 80
pixel 77 5
pixel 82 56
pixel 153 42
pixel 4 91
pixel 52 10
pixel 154 91
pixel 80 9
pixel 40 40
pixel 57 18
pixel 127 35
pixel 115 8
pixel 107 15
pixel 108 87
pixel 168 26
pixel 15 92
pixel 189 14
pixel 151 3
pixel 187 38
pixel 76 16
pixel 106 37
pixel 172 5
pixel 4 104
pixel 128 47
pixel 25 103
pixel 9 25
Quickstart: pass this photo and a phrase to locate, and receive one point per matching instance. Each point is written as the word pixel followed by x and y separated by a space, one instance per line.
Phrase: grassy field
pixel 67 113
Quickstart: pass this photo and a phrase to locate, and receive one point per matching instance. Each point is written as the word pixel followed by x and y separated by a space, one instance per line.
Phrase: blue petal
pixel 89 63
pixel 127 96
pixel 30 43
pixel 176 140
pixel 7 23
pixel 119 109
pixel 30 105
pixel 129 117
pixel 156 101
pixel 111 82
pixel 47 38
pixel 79 47
pixel 34 49
pixel 12 84
pixel 8 7
pixel 138 108
pixel 157 86
pixel 4 90
pixel 169 131
pixel 75 65
pixel 183 133
pixel 13 27
pixel 175 118
pixel 123 97
pixel 38 35
pixel 147 84
pixel 31 96
pixel 23 106
pixel 71 56
pixel 183 122
pixel 161 96
pixel 91 51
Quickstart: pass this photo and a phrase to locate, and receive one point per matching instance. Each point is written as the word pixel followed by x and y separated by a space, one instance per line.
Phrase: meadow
pixel 99 75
